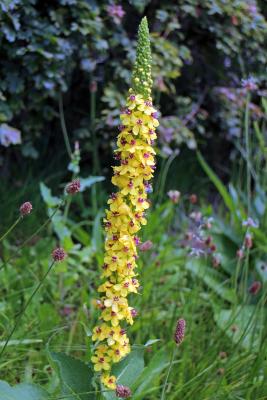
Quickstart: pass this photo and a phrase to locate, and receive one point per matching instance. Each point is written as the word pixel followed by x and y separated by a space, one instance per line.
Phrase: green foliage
pixel 23 391
pixel 75 377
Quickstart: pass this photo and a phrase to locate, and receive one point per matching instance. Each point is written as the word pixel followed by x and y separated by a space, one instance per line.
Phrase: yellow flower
pixel 114 301
pixel 101 362
pixel 100 332
pixel 109 381
pixel 123 220
pixel 112 316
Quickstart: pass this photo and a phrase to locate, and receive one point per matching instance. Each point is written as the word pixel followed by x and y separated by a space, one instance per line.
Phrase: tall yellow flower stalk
pixel 126 215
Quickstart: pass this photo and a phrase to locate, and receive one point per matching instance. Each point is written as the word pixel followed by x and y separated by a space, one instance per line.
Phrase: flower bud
pixel 193 199
pixel 255 288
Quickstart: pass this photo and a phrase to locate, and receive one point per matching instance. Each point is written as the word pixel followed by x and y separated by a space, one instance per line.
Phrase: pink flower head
pixel 255 287
pixel 123 392
pixel 25 208
pixel 59 254
pixel 179 331
pixel 73 187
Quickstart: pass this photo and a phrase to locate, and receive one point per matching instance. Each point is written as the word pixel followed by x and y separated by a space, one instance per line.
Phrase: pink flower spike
pixel 179 331
pixel 25 208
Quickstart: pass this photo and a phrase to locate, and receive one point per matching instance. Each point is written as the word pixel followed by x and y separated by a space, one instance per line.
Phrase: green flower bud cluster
pixel 141 80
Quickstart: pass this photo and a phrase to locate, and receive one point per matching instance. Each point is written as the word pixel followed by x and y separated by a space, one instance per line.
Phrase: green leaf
pixel 90 181
pixel 128 370
pixel 248 325
pixel 152 372
pixel 213 279
pixel 23 391
pixel 75 376
pixel 51 201
pixel 218 184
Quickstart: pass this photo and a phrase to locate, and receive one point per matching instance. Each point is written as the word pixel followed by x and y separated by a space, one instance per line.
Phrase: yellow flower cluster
pixel 124 219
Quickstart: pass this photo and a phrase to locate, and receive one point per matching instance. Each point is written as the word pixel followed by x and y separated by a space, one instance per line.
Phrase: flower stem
pixel 25 308
pixel 33 235
pixel 63 126
pixel 247 145
pixel 168 374
pixel 11 228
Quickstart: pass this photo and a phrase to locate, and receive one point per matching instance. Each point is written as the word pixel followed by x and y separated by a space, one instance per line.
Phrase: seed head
pixel 255 287
pixel 59 254
pixel 123 392
pixel 179 331
pixel 73 187
pixel 25 208
pixel 193 198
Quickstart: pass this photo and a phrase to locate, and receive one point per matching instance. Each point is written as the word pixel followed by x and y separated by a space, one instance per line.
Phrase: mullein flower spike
pixel 126 215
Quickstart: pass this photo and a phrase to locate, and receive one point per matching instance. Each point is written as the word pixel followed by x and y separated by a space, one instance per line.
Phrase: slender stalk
pixel 33 235
pixel 25 308
pixel 11 228
pixel 96 167
pixel 63 126
pixel 247 145
pixel 168 373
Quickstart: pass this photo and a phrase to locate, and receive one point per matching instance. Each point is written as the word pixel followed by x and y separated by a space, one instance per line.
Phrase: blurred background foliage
pixel 70 61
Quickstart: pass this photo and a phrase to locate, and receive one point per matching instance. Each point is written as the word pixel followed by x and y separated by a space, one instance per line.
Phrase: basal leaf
pixel 75 376
pixel 23 391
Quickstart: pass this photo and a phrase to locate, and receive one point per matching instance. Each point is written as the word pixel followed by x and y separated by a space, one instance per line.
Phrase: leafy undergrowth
pixel 222 356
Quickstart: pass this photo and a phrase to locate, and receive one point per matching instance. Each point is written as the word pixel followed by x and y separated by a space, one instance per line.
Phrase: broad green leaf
pixel 247 322
pixel 75 376
pixel 23 391
pixel 213 279
pixel 128 370
pixel 90 181
pixel 152 372
pixel 50 201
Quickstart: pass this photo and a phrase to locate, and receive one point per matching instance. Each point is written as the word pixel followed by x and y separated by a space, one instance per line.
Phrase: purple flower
pixel 9 135
pixel 116 12
pixel 250 223
pixel 249 84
